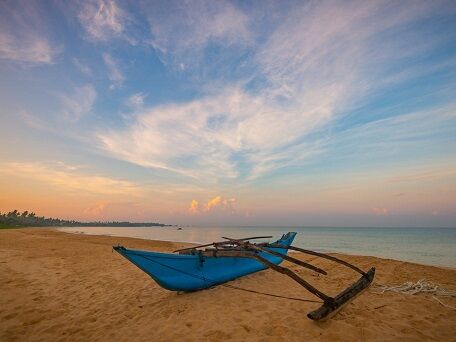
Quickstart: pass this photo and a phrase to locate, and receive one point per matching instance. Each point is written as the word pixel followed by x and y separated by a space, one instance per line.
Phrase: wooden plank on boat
pixel 221 243
pixel 301 263
pixel 229 253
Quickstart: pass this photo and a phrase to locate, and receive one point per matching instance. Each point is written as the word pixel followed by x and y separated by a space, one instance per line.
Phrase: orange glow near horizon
pixel 73 194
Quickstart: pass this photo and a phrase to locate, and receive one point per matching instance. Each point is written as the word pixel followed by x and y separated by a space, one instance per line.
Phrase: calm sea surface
pixel 432 246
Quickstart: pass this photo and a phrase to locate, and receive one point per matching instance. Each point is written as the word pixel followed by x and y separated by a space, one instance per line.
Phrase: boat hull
pixel 188 272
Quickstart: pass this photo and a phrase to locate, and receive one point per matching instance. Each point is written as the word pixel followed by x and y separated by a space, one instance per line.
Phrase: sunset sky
pixel 233 113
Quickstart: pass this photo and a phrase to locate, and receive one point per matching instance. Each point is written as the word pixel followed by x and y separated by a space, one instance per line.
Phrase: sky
pixel 301 113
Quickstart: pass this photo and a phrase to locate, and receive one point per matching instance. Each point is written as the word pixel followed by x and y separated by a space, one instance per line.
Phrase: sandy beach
pixel 59 286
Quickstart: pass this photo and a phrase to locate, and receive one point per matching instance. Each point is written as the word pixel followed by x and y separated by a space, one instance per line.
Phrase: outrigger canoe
pixel 193 268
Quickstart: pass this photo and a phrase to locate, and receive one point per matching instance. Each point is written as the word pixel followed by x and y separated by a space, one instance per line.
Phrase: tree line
pixel 30 219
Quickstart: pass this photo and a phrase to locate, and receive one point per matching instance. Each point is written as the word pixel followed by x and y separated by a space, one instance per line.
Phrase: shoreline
pixel 200 243
pixel 71 286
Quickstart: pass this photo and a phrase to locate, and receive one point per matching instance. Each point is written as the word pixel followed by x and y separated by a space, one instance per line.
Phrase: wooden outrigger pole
pixel 244 249
pixel 335 303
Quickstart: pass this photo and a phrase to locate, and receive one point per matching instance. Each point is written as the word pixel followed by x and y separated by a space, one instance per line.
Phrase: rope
pixel 421 286
pixel 271 295
pixel 206 280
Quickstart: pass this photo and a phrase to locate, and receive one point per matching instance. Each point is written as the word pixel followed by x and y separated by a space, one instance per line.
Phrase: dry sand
pixel 58 286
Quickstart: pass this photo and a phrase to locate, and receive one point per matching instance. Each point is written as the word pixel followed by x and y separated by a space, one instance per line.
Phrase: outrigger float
pixel 193 268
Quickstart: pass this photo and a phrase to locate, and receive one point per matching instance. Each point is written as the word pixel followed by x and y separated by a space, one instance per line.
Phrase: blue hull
pixel 177 272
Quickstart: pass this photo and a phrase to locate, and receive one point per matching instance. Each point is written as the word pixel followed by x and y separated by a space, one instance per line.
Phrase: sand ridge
pixel 59 286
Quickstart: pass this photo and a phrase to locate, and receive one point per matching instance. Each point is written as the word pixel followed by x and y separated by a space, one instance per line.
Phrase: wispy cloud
pixel 31 49
pixel 79 103
pixel 24 35
pixel 136 100
pixel 32 120
pixel 199 139
pixel 182 30
pixel 69 178
pixel 114 73
pixel 84 68
pixel 195 24
pixel 103 19
pixel 422 176
pixel 397 139
pixel 191 139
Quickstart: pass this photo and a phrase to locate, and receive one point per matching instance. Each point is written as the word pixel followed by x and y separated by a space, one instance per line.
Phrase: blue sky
pixel 293 112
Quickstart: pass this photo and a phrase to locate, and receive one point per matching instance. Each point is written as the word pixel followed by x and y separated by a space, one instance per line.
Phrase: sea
pixel 430 246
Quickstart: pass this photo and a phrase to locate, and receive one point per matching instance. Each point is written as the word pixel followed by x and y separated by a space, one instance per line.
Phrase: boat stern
pixel 287 239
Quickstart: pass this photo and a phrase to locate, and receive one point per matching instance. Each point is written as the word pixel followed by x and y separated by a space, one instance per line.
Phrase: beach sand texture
pixel 59 286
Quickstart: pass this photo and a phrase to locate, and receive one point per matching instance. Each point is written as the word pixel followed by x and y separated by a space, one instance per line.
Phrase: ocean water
pixel 431 246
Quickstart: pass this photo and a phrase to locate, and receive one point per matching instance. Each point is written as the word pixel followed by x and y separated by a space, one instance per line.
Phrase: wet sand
pixel 59 286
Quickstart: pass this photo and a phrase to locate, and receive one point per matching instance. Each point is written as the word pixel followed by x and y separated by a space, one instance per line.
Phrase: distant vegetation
pixel 29 219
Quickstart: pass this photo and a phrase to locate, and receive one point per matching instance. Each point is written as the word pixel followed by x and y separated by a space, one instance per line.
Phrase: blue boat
pixel 196 269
